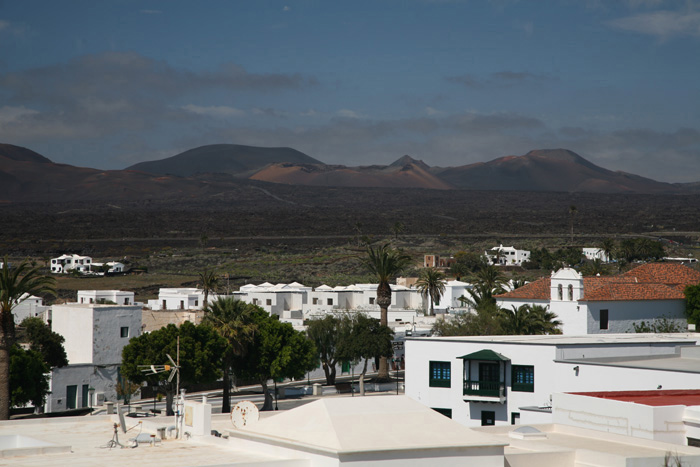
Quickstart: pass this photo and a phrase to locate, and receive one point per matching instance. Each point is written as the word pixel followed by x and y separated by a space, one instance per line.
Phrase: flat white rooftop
pixel 587 339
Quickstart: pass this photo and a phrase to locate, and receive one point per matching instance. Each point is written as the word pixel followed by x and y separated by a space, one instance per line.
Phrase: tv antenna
pixel 173 368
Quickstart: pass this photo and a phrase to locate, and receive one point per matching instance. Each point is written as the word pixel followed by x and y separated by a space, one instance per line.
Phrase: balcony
pixel 485 391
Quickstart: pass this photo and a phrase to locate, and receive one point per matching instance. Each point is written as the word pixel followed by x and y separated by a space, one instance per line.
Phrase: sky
pixel 108 84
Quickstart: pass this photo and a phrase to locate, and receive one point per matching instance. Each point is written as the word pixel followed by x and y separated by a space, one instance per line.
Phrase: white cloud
pixel 220 111
pixel 347 113
pixel 12 114
pixel 4 25
pixel 432 111
pixel 661 24
pixel 309 113
pixel 286 8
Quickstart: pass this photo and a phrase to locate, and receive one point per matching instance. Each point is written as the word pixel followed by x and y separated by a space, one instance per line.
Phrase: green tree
pixel 431 283
pixel 485 321
pixel 396 229
pixel 608 247
pixel 489 281
pixel 43 340
pixel 232 320
pixel 15 282
pixel 277 352
pixel 529 320
pixel 367 338
pixel 663 325
pixel 201 350
pixel 210 281
pixel 692 303
pixel 327 334
pixel 466 263
pixel 384 263
pixel 28 380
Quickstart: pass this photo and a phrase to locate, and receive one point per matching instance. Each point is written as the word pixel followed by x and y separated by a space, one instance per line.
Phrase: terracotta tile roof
pixel 654 281
pixel 536 290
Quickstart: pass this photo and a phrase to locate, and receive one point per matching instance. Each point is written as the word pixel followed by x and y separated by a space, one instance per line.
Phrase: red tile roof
pixel 657 398
pixel 654 281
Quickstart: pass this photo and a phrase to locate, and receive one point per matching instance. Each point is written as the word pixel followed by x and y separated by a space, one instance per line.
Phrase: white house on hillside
pixel 29 306
pixel 112 266
pixel 66 263
pixel 595 253
pixel 94 338
pixel 501 380
pixel 506 256
pixel 609 304
pixel 118 297
pixel 189 298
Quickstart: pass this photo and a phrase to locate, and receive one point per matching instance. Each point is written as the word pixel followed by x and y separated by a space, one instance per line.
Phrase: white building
pixel 501 380
pixel 189 298
pixel 377 431
pixel 671 416
pixel 295 302
pixel 117 297
pixel 67 263
pixel 112 266
pixel 29 306
pixel 609 304
pixel 596 253
pixel 507 256
pixel 94 338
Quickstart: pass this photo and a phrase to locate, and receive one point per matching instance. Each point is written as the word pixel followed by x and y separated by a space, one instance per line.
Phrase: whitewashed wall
pixel 550 376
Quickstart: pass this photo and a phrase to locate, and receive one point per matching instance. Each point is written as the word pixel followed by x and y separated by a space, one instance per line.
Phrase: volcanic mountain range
pixel 206 170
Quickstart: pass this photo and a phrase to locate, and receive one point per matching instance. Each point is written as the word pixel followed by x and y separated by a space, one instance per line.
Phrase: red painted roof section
pixel 652 398
pixel 654 281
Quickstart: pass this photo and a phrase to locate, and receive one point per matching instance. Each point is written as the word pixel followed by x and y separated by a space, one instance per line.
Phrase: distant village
pixel 621 346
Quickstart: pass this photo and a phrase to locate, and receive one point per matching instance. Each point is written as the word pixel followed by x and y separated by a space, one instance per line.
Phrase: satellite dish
pixel 244 413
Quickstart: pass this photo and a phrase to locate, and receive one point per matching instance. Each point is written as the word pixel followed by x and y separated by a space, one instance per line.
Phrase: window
pixel 196 303
pixel 571 292
pixel 268 302
pixel 488 418
pixel 182 304
pixel 125 331
pixel 523 378
pixel 561 293
pixel 603 319
pixel 315 301
pixel 371 300
pixel 255 301
pixel 165 305
pixel 446 412
pixel 330 301
pixel 515 418
pixel 440 374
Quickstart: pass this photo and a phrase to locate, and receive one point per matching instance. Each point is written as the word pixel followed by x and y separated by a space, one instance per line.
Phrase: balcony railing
pixel 484 388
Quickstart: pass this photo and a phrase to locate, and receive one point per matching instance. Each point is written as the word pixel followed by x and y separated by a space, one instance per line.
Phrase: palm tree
pixel 230 319
pixel 209 283
pixel 384 262
pixel 396 229
pixel 572 213
pixel 492 278
pixel 607 245
pixel 529 320
pixel 14 284
pixel 431 283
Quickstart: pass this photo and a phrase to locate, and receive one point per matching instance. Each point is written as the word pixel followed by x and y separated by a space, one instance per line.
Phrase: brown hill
pixel 548 170
pixel 28 176
pixel 410 175
pixel 234 159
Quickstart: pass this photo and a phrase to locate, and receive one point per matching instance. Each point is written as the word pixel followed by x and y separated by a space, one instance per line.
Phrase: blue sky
pixel 111 83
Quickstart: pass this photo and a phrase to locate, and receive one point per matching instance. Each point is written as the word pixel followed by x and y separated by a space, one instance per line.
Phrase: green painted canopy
pixel 485 354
